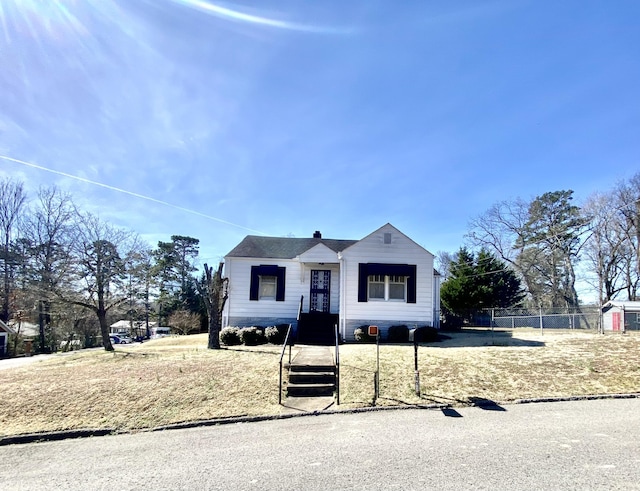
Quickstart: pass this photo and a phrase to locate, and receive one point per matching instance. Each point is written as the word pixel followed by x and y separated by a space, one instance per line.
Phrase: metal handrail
pixel 284 347
pixel 337 367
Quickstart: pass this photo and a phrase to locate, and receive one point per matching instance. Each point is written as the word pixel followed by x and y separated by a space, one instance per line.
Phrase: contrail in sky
pixel 236 15
pixel 131 193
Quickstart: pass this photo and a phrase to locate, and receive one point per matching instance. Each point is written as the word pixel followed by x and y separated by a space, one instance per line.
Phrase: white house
pixel 5 330
pixel 383 279
pixel 133 328
pixel 621 316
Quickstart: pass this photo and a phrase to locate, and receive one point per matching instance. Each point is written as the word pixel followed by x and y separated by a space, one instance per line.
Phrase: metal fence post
pixel 541 331
pixel 415 363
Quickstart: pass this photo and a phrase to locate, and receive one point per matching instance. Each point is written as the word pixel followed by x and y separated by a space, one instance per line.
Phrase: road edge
pixel 88 432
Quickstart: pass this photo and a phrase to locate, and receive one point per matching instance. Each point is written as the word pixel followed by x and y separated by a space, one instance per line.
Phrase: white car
pixel 120 339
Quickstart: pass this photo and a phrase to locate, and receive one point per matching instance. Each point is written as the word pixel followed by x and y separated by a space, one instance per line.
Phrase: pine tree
pixel 479 281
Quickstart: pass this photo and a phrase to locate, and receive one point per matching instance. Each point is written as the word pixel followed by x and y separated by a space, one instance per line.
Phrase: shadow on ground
pixel 451 413
pixel 474 337
pixel 486 404
pixel 449 403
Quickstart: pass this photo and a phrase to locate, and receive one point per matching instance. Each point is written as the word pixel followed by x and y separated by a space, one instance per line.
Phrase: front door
pixel 616 321
pixel 320 290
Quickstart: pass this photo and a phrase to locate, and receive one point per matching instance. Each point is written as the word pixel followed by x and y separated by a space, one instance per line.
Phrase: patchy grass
pixel 163 381
pixel 498 366
pixel 177 379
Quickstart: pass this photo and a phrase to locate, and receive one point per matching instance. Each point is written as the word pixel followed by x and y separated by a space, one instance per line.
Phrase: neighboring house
pixel 383 279
pixel 5 330
pixel 26 329
pixel 621 316
pixel 125 327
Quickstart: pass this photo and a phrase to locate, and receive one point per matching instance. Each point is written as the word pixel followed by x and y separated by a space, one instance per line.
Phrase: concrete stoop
pixel 311 382
pixel 294 405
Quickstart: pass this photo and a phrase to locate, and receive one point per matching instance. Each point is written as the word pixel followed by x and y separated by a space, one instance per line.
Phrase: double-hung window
pixel 387 287
pixel 397 287
pixel 376 287
pixel 267 287
pixel 267 283
pixel 387 282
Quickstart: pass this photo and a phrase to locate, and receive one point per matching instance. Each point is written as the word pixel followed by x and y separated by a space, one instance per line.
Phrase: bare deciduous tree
pixel 629 205
pixel 540 240
pixel 184 322
pixel 100 253
pixel 443 262
pixel 215 294
pixel 606 248
pixel 12 200
pixel 49 238
pixel 139 283
pixel 501 229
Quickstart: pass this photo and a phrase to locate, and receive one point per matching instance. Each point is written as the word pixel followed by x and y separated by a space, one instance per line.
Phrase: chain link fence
pixel 585 317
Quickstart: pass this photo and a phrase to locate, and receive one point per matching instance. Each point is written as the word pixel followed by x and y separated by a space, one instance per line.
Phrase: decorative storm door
pixel 320 282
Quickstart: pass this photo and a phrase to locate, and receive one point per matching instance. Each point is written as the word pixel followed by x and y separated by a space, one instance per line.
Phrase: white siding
pixel 319 253
pixel 297 283
pixel 238 270
pixel 401 250
pixel 3 343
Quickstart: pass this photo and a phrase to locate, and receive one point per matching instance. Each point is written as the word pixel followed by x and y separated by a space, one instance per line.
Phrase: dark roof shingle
pixel 283 247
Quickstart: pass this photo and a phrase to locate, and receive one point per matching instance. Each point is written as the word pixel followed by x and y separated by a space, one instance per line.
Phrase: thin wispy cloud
pixel 300 116
pixel 238 16
pixel 130 193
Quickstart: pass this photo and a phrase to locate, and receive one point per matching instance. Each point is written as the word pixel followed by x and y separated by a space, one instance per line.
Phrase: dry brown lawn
pixel 498 366
pixel 175 380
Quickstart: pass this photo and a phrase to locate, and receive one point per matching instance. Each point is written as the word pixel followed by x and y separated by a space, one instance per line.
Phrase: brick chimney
pixel 317 234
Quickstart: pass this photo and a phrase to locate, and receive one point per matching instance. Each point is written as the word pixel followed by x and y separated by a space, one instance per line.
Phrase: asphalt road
pixel 560 445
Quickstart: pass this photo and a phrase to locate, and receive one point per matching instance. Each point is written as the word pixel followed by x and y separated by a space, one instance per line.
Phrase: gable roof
pixel 4 327
pixel 283 247
pixel 388 226
pixel 629 306
pixel 126 323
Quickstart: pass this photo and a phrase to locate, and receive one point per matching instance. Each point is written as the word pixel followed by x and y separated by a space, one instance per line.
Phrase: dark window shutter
pixel 280 284
pixel 411 283
pixel 363 279
pixel 255 283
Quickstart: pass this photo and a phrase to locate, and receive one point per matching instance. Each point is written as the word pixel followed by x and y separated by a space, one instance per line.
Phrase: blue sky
pixel 285 117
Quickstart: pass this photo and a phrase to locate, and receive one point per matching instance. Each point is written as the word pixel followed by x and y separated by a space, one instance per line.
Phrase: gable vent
pixel 387 238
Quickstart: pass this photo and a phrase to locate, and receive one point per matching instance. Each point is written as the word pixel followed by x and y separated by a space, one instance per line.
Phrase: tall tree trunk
pixel 215 296
pixel 101 312
pixel 104 330
pixel 637 223
pixel 44 319
pixel 4 315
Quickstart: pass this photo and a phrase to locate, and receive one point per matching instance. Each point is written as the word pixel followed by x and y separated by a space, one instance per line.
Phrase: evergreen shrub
pixel 276 334
pixel 426 334
pixel 252 336
pixel 452 322
pixel 230 336
pixel 398 334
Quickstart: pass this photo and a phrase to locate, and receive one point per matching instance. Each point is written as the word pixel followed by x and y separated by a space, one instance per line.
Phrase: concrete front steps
pixel 312 373
pixel 311 381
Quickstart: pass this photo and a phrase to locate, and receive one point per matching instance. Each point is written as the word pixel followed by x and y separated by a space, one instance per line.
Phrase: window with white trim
pixel 376 287
pixel 268 287
pixel 267 283
pixel 387 287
